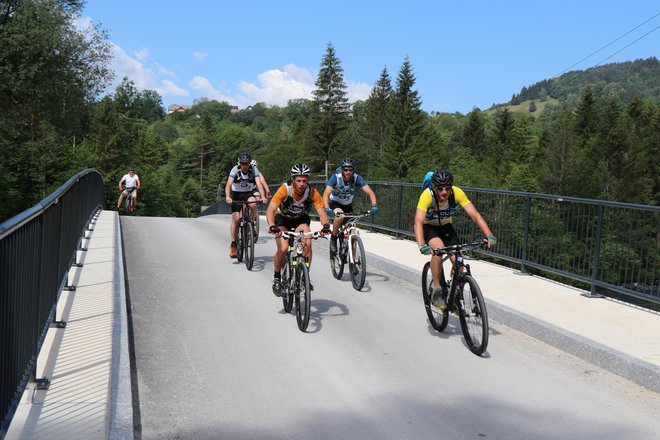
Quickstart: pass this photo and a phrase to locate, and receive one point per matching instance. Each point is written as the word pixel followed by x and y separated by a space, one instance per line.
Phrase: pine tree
pixel 375 121
pixel 586 116
pixel 408 134
pixel 330 109
pixel 474 133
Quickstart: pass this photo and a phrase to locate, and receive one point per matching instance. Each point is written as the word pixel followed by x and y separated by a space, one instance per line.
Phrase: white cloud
pixel 357 91
pixel 83 24
pixel 276 87
pixel 169 88
pixel 126 66
pixel 142 54
pixel 200 56
pixel 207 90
pixel 163 71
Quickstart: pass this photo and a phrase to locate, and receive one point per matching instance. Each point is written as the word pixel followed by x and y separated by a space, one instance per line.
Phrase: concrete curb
pixel 120 414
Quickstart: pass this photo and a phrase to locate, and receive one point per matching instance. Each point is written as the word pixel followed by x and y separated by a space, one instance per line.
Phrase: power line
pixel 611 43
pixel 656 28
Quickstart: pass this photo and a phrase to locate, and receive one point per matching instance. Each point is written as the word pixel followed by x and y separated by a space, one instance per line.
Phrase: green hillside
pixel 625 80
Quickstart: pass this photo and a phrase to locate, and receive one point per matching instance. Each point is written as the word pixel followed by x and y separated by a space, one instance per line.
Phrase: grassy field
pixel 524 107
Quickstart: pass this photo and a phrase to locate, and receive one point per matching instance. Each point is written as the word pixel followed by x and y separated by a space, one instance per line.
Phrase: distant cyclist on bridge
pixel 339 193
pixel 289 209
pixel 433 223
pixel 243 185
pixel 129 181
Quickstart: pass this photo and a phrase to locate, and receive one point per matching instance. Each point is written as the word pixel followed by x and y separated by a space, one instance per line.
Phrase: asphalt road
pixel 217 357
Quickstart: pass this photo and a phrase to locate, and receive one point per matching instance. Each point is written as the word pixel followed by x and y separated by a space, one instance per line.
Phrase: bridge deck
pixel 88 361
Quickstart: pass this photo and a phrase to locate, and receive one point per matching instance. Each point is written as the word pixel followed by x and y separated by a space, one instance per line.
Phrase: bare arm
pixel 420 216
pixel 372 196
pixel 228 189
pixel 270 213
pixel 326 196
pixel 479 220
pixel 265 185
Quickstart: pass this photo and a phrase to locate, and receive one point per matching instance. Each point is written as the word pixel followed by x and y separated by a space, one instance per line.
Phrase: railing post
pixel 528 214
pixel 473 225
pixel 399 207
pixel 594 273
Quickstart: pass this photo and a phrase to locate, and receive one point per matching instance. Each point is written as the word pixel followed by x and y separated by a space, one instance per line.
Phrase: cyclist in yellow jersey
pixel 433 226
pixel 289 209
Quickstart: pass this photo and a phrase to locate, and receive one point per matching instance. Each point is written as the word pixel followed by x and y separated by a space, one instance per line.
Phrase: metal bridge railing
pixel 37 250
pixel 608 246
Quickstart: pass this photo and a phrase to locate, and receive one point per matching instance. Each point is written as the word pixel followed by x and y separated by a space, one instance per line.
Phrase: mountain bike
pixel 245 235
pixel 462 295
pixel 129 203
pixel 294 282
pixel 350 249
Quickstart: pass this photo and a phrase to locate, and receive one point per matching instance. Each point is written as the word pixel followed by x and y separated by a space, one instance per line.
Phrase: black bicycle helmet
pixel 300 169
pixel 348 162
pixel 442 178
pixel 245 157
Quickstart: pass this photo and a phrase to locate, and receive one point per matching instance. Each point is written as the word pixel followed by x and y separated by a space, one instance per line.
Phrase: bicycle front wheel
pixel 256 227
pixel 287 290
pixel 473 315
pixel 437 317
pixel 357 264
pixel 248 243
pixel 303 296
pixel 239 243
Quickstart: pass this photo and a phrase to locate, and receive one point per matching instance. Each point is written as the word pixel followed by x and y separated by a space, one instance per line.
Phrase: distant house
pixel 233 109
pixel 178 108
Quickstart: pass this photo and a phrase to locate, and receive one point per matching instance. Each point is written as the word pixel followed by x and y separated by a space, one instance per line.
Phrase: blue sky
pixel 463 54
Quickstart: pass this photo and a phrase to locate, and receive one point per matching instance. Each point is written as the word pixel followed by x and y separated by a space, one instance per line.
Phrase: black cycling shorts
pixel 239 197
pixel 346 208
pixel 291 222
pixel 446 233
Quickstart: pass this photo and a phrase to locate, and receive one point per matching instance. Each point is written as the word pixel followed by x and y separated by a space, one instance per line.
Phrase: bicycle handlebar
pixel 294 234
pixel 457 247
pixel 353 215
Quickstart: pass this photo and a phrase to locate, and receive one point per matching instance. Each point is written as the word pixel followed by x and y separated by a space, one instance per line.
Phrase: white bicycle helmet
pixel 300 169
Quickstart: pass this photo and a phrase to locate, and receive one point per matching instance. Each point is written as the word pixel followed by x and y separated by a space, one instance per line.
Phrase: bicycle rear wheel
pixel 287 291
pixel 129 205
pixel 303 296
pixel 473 316
pixel 437 318
pixel 358 267
pixel 239 242
pixel 248 242
pixel 336 262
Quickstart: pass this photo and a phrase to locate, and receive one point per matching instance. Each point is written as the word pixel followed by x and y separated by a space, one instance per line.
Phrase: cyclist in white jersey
pixel 244 185
pixel 130 180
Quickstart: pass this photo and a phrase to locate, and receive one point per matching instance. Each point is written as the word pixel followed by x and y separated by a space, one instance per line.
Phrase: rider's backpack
pixel 426 183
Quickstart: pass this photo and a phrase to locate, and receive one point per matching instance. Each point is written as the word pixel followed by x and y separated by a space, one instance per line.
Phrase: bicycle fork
pixel 349 237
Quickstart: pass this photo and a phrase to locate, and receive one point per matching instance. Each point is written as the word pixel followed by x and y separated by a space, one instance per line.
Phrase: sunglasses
pixel 245 163
pixel 347 170
pixel 443 188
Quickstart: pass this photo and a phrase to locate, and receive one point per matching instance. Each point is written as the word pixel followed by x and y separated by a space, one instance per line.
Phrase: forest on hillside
pixel 600 143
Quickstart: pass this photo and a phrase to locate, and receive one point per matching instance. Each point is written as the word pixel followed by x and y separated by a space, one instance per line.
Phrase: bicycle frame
pixel 349 229
pixel 296 244
pixel 457 267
